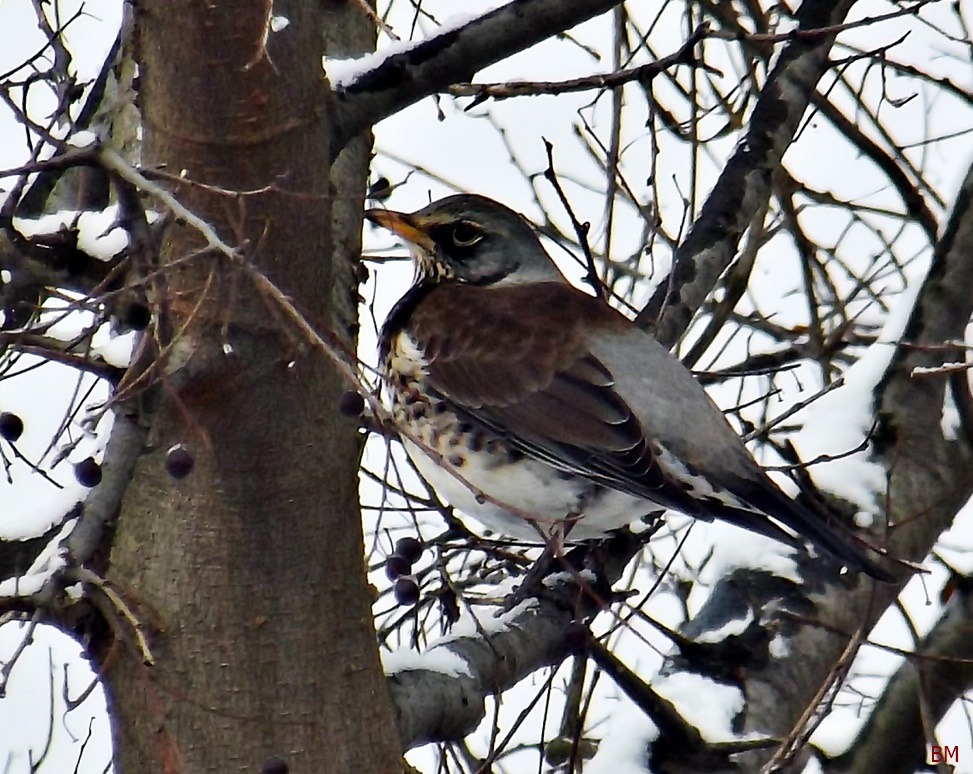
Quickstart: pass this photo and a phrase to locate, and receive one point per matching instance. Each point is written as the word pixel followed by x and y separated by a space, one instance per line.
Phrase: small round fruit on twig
pixel 179 461
pixel 406 590
pixel 410 548
pixel 88 472
pixel 11 426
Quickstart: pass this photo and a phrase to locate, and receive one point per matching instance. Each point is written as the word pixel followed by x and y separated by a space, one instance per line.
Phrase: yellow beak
pixel 402 224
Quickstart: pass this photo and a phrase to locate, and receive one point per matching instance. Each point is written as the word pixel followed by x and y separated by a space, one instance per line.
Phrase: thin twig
pixel 116 604
pixel 641 74
pixel 764 429
pixel 580 229
pixel 7 667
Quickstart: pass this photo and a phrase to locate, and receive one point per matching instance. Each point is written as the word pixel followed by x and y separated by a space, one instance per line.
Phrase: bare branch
pixel 453 57
pixel 435 706
pixel 641 74
pixel 580 229
pixel 911 197
pixel 75 354
pixel 940 672
pixel 745 183
pixel 928 481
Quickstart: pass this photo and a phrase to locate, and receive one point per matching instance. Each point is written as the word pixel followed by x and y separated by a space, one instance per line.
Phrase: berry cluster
pixel 398 569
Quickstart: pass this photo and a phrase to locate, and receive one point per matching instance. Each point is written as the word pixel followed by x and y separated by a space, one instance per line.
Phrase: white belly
pixel 529 499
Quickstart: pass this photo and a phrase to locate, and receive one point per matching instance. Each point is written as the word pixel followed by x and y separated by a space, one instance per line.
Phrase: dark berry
pixel 351 403
pixel 409 548
pixel 406 591
pixel 11 426
pixel 274 765
pixel 179 462
pixel 380 190
pixel 88 472
pixel 137 316
pixel 576 636
pixel 396 566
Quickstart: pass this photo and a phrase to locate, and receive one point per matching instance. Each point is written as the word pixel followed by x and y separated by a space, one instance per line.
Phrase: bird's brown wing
pixel 515 361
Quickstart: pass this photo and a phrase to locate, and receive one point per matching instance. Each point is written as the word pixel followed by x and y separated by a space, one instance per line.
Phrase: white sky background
pixel 476 151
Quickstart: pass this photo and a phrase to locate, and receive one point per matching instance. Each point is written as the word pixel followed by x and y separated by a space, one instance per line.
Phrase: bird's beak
pixel 404 225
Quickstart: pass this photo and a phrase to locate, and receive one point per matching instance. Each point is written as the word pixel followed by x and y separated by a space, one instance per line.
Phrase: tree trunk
pixel 248 572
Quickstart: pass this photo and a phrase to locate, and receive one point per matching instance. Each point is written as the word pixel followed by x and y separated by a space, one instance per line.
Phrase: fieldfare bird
pixel 534 407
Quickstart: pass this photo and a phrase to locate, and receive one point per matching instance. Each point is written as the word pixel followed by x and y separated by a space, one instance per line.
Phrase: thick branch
pixel 918 695
pixel 927 468
pixel 453 57
pixel 16 556
pixel 434 706
pixel 48 260
pixel 745 184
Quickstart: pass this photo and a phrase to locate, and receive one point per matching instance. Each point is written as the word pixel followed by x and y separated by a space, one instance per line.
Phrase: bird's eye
pixel 465 234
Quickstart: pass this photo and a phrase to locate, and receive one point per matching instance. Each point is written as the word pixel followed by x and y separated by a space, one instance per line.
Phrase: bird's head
pixel 469 238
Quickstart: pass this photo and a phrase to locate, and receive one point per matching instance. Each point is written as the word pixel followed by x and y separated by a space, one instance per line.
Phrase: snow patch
pixel 47 563
pixel 735 548
pixel 555 579
pixel 949 421
pixel 709 706
pixel 490 621
pixel 731 628
pixel 436 659
pixel 99 234
pixel 439 658
pixel 623 748
pixel 343 73
pixel 779 647
pixel 839 422
pixel 84 139
pixel 116 350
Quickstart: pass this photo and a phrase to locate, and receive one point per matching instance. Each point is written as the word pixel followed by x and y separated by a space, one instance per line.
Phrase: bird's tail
pixel 776 509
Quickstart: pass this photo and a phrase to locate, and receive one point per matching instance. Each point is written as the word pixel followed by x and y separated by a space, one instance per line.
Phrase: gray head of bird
pixel 469 238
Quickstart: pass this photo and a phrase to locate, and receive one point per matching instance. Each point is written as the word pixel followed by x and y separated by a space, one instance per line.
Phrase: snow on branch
pixel 926 482
pixel 918 695
pixel 439 695
pixel 383 84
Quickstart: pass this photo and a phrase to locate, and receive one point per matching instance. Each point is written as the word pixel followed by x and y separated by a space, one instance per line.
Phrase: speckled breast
pixel 425 418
